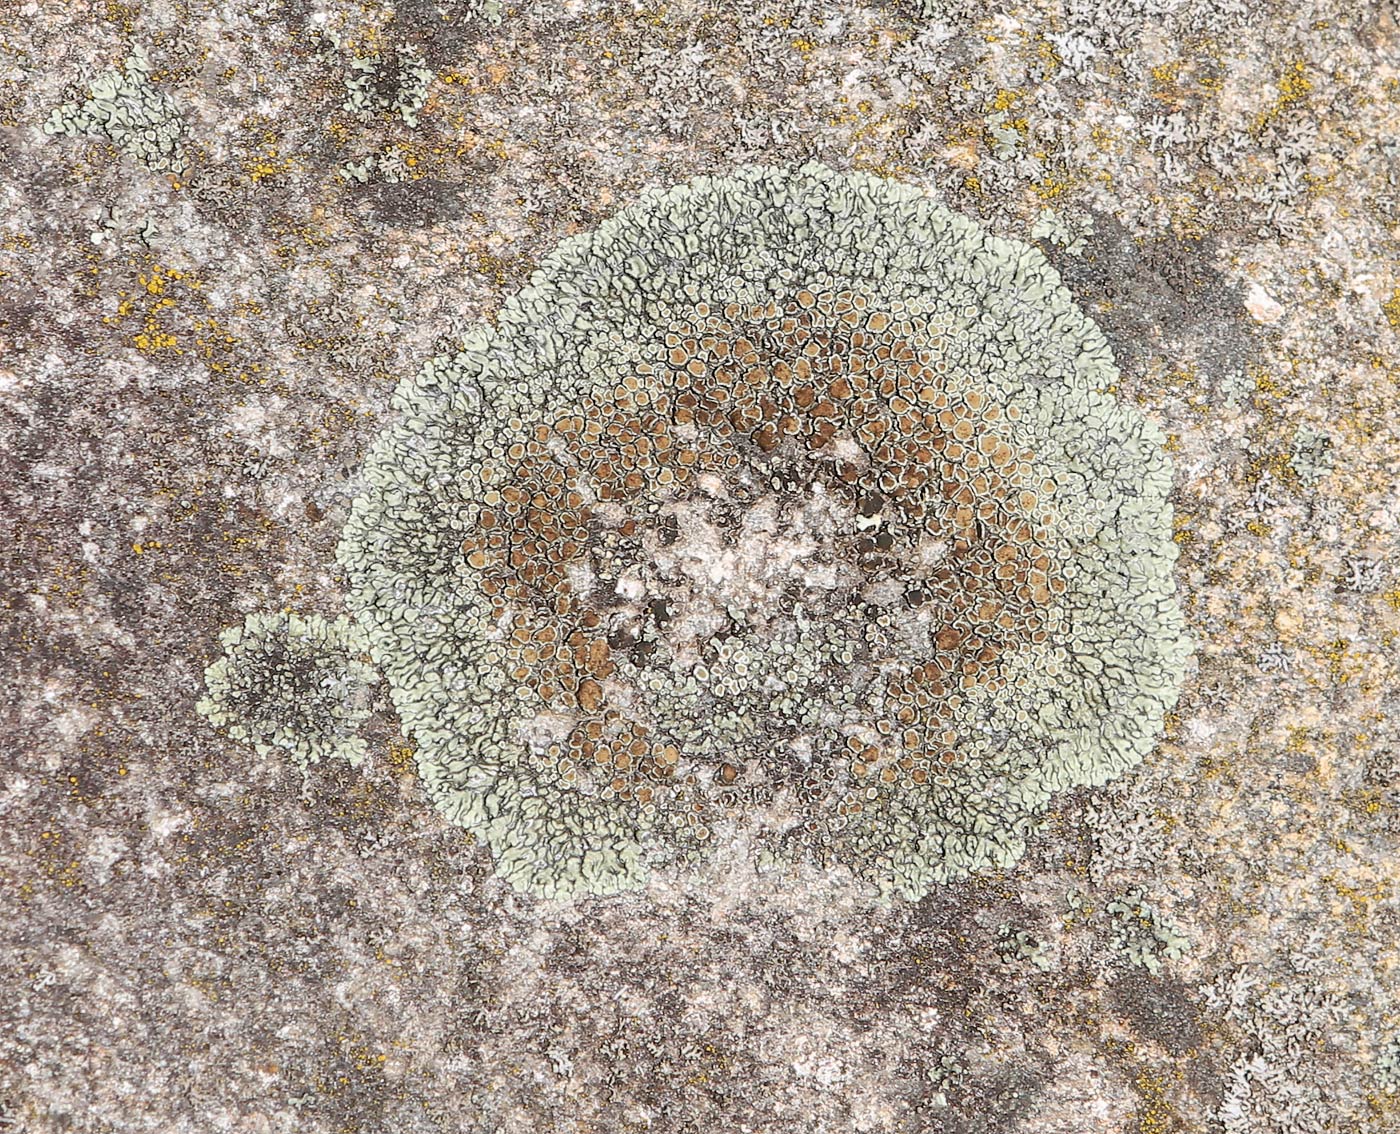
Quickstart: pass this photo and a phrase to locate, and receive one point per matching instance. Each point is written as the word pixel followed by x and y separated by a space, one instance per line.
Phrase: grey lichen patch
pixel 124 107
pixel 293 683
pixel 1141 935
pixel 1388 1068
pixel 786 507
pixel 1017 947
pixel 1281 1079
pixel 396 85
pixel 1311 456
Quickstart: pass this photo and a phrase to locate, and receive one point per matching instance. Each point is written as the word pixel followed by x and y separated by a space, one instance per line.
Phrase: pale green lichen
pixel 946 1073
pixel 1053 227
pixel 1310 457
pixel 124 107
pixel 606 658
pixel 358 171
pixel 1141 935
pixel 398 85
pixel 1006 139
pixel 296 684
pixel 390 165
pixel 1388 1068
pixel 1018 946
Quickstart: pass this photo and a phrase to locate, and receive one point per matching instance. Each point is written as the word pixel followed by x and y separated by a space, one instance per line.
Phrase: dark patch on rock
pixel 413 204
pixel 1161 1010
pixel 1205 1077
pixel 1163 296
pixel 998 1103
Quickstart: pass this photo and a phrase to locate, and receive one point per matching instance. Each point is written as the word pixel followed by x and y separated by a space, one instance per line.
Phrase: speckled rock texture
pixel 230 233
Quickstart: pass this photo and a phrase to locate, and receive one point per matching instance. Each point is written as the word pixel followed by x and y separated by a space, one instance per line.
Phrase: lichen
pixel 946 1073
pixel 126 109
pixel 1284 1075
pixel 1311 456
pixel 788 501
pixel 1070 235
pixel 1141 935
pixel 1005 138
pixel 1388 1068
pixel 293 683
pixel 398 85
pixel 1015 946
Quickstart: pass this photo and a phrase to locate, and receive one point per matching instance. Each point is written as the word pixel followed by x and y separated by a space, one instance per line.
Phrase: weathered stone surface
pixel 246 225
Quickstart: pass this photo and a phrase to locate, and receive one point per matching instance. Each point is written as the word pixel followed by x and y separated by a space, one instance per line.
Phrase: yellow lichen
pixel 1294 86
pixel 1165 74
pixel 1391 309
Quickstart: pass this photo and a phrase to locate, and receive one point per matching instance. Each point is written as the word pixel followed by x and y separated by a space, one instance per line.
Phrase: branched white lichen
pixel 1283 1079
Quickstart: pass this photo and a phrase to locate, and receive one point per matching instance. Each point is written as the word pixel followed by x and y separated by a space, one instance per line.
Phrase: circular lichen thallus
pixel 786 502
pixel 295 684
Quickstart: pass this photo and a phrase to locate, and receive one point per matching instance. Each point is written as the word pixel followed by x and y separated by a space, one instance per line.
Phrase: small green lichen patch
pixel 1311 456
pixel 1056 229
pixel 126 109
pixel 1388 1068
pixel 1141 935
pixel 397 85
pixel 292 683
pixel 1016 946
pixel 786 507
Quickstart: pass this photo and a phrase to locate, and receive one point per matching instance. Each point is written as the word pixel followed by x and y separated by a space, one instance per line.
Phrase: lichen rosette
pixel 295 684
pixel 789 503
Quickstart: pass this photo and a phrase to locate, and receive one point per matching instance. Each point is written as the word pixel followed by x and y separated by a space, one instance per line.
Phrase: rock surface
pixel 217 262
